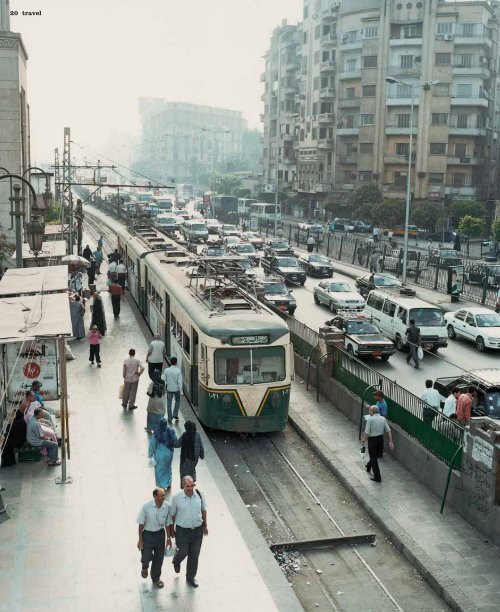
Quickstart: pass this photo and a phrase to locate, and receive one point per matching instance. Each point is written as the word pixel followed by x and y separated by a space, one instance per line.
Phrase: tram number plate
pixel 244 340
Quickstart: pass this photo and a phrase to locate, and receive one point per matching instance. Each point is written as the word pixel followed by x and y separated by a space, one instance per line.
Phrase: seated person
pixel 36 437
pixel 15 438
pixel 46 423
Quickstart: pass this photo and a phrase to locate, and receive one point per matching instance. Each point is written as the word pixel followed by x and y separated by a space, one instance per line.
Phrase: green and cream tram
pixel 235 354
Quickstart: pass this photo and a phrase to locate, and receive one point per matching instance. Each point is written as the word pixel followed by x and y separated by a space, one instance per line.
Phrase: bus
pixel 225 208
pixel 165 203
pixel 263 214
pixel 244 205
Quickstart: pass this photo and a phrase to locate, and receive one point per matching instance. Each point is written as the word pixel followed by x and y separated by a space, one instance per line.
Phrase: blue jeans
pixel 52 449
pixel 170 396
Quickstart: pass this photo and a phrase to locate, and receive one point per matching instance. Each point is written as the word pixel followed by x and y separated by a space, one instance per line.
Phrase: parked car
pixel 393 261
pixel 246 250
pixel 345 225
pixel 316 265
pixel 362 337
pixel 338 295
pixel 275 293
pixel 276 246
pixel 380 281
pixel 285 266
pixel 253 238
pixel 445 257
pixel 483 271
pixel 486 401
pixel 477 324
pixel 362 227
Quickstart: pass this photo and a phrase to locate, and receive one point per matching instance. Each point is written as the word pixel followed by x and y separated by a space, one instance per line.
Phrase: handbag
pixel 170 551
pixel 420 353
pixel 120 391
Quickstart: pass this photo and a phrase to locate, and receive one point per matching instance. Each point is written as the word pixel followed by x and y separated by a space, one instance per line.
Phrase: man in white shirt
pixel 450 405
pixel 152 520
pixel 173 381
pixel 155 355
pixel 121 273
pixel 432 397
pixel 112 270
pixel 132 370
pixel 376 427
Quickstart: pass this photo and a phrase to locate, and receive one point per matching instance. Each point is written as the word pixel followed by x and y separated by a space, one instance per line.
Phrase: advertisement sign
pixel 455 280
pixel 37 360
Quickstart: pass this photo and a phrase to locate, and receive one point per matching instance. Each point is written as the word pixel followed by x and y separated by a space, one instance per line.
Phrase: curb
pixel 446 588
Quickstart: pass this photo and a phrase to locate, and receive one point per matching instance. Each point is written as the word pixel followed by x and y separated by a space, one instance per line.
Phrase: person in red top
pixel 94 336
pixel 117 292
pixel 464 405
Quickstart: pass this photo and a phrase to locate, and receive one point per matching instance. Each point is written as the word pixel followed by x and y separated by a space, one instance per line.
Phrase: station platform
pixel 458 561
pixel 72 547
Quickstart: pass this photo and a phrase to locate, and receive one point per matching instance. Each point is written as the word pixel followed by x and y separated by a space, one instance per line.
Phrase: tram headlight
pixel 226 400
pixel 275 399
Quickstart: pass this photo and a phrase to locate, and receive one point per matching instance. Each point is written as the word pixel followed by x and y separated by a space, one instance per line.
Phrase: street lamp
pixel 35 232
pixel 427 86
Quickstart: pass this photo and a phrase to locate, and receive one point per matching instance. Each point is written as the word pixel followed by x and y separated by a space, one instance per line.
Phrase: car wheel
pixel 480 344
pixel 399 343
pixel 330 275
pixel 451 332
pixel 332 307
pixel 384 357
pixel 316 299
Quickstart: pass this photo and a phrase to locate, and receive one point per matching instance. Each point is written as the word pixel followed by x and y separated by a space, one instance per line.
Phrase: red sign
pixel 31 370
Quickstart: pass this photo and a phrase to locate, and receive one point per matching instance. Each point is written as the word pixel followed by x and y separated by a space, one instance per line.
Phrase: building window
pixel 463 61
pixel 464 90
pixel 403 121
pixel 462 121
pixel 367 119
pixel 350 37
pixel 304 38
pixel 306 12
pixel 411 31
pixel 315 108
pixel 402 148
pixel 436 178
pixel 329 159
pixel 370 32
pixel 351 65
pixel 445 27
pixel 316 83
pixel 365 177
pixel 366 148
pixel 370 61
pixel 438 148
pixel 439 118
pixel 316 57
pixel 314 133
pixel 369 91
pixel 317 31
pixel 350 93
pixel 468 29
pixel 458 179
pixel 443 59
pixel 403 91
pixel 441 89
pixel 349 121
pixel 460 150
pixel 406 61
pixel 400 178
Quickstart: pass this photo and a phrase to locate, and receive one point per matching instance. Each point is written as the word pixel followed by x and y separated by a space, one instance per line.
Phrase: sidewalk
pixel 455 559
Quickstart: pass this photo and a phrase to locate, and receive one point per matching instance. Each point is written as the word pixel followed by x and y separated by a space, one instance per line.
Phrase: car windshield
pixel 287 262
pixel 279 244
pixel 275 288
pixel 232 240
pixel 246 248
pixel 427 317
pixel 386 281
pixel 488 320
pixel 216 252
pixel 246 264
pixel 229 228
pixel 198 227
pixel 362 327
pixel 167 220
pixel 449 254
pixel 318 259
pixel 340 287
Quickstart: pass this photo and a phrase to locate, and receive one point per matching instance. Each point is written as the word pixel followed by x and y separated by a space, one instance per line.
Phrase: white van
pixel 194 231
pixel 392 312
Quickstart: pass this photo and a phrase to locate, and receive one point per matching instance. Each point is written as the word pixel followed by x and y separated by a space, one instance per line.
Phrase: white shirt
pixel 376 425
pixel 156 347
pixel 450 405
pixel 432 397
pixel 173 378
pixel 187 510
pixel 152 517
pixel 121 269
pixel 112 266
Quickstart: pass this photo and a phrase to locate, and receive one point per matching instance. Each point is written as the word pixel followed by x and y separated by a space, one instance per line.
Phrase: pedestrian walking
pixel 94 337
pixel 116 292
pixel 187 523
pixel 91 271
pixel 464 406
pixel 132 370
pixel 381 403
pixel 173 380
pixel 114 256
pixel 152 519
pixel 155 354
pixel 432 398
pixel 375 428
pixel 98 314
pixel 373 261
pixel 121 272
pixel 413 337
pixel 156 402
pixel 76 283
pixel 98 256
pixel 100 243
pixel 191 450
pixel 87 252
pixel 77 312
pixel 311 243
pixel 112 270
pixel 361 254
pixel 161 448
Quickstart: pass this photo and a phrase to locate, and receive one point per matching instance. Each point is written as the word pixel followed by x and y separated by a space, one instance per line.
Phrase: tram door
pixel 194 372
pixel 167 325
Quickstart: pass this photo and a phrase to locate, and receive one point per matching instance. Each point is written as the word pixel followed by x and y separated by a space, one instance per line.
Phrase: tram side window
pixel 186 343
pixel 249 366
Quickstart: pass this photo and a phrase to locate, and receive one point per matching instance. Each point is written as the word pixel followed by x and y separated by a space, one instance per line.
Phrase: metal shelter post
pixel 64 478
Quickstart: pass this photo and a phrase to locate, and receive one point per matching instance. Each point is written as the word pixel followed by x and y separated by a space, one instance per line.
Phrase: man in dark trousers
pixel 152 520
pixel 413 337
pixel 188 524
pixel 376 426
pixel 116 292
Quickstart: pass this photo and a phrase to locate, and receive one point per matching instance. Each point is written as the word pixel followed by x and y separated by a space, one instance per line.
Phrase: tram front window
pixel 247 366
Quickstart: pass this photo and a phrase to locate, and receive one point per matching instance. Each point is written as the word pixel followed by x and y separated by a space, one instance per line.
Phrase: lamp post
pixel 413 87
pixel 214 133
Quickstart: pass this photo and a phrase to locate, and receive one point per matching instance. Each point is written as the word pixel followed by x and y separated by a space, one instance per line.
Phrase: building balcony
pixel 348 131
pixel 394 188
pixel 436 192
pixel 329 15
pixel 348 159
pixel 351 74
pixel 460 191
pixel 469 101
pixel 464 161
pixel 263 97
pixel 327 92
pixel 395 100
pixel 326 118
pixel 321 187
pixel 295 185
pixel 349 102
pixel 328 66
pixel 291 66
pixel 392 129
pixel 399 70
pixel 476 69
pixel 405 42
pixel 476 41
pixel 469 130
pixel 325 143
pixel 398 159
pixel 287 137
pixel 289 90
pixel 329 41
pixel 348 45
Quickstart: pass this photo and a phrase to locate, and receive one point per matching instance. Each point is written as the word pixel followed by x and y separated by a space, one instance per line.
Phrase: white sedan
pixel 480 325
pixel 338 295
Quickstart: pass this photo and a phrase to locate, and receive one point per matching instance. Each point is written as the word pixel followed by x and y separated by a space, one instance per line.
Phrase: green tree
pixel 458 210
pixel 471 226
pixel 364 199
pixel 427 215
pixel 389 213
pixel 495 229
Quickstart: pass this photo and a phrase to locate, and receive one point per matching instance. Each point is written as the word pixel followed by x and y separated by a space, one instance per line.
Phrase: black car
pixel 362 337
pixel 366 283
pixel 445 258
pixel 486 400
pixel 277 246
pixel 316 265
pixel 274 292
pixel 286 266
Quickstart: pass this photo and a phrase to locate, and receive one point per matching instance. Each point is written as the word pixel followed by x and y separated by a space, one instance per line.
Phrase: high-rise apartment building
pixel 180 139
pixel 364 65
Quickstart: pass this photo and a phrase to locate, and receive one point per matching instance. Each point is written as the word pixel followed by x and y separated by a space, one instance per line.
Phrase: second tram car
pixel 235 354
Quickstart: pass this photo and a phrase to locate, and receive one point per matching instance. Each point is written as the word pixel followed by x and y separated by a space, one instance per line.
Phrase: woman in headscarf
pixel 98 315
pixel 77 312
pixel 161 447
pixel 91 270
pixel 191 450
pixel 15 438
pixel 156 403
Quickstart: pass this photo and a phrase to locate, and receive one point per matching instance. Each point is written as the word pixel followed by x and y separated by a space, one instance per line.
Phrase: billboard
pixel 36 360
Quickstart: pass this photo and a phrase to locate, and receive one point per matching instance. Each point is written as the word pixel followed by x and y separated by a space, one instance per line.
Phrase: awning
pixel 31 281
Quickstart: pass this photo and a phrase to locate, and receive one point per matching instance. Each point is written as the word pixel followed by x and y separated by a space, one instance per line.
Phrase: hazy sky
pixel 90 60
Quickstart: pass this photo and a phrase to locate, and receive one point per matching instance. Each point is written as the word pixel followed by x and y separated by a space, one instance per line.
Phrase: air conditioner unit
pixel 448 37
pixel 417 59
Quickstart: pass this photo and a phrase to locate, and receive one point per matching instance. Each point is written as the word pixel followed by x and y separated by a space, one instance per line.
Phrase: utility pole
pixel 67 192
pixel 18 213
pixel 57 176
pixel 79 221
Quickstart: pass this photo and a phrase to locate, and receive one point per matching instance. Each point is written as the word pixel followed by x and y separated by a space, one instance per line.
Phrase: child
pixel 94 337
